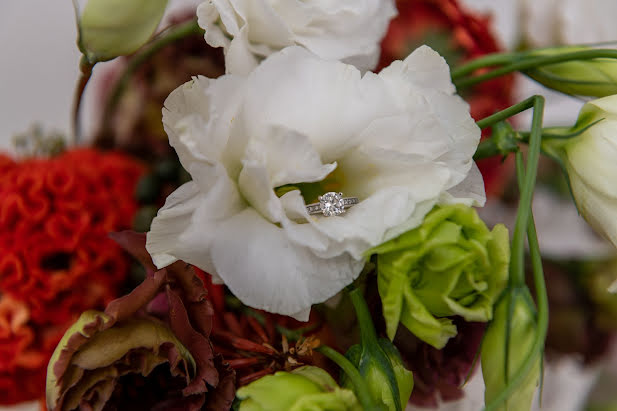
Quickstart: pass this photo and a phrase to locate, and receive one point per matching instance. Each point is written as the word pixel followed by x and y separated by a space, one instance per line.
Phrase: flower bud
pixel 378 371
pixel 595 77
pixel 497 368
pixel 112 28
pixel 305 388
pixel 450 265
pixel 589 160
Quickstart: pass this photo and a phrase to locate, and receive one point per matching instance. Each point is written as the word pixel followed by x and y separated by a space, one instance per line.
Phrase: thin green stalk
pixel 541 301
pixel 361 388
pixel 489 60
pixel 507 113
pixel 517 261
pixel 85 70
pixel 161 40
pixel 529 62
pixel 367 330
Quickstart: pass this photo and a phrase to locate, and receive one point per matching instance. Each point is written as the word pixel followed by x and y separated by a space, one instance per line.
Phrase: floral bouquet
pixel 312 241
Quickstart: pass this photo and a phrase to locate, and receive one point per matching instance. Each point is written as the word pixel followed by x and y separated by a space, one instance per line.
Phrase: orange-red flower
pixel 55 257
pixel 457 35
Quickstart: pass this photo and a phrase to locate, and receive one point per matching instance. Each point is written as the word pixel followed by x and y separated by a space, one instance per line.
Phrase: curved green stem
pixel 517 268
pixel 361 388
pixel 367 330
pixel 85 69
pixel 161 40
pixel 489 60
pixel 541 301
pixel 525 62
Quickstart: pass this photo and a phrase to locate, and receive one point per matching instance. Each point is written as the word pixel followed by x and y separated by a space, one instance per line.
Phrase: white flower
pixel 590 160
pixel 401 141
pixel 346 30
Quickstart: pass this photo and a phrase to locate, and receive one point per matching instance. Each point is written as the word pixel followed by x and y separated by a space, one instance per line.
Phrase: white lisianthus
pixel 400 141
pixel 250 30
pixel 591 162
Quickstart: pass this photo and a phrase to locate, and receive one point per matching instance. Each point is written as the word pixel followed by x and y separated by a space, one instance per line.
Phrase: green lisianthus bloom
pixel 450 265
pixel 303 389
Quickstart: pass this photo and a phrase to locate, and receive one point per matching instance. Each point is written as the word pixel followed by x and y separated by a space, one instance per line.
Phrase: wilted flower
pixel 346 30
pixel 148 350
pixel 589 160
pixel 515 331
pixel 595 78
pixel 450 265
pixel 399 141
pixel 112 28
pixel 303 389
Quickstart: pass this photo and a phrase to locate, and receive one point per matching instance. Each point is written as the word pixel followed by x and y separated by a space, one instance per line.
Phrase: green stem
pixel 161 40
pixel 85 69
pixel 489 60
pixel 361 388
pixel 517 264
pixel 527 62
pixel 541 301
pixel 367 330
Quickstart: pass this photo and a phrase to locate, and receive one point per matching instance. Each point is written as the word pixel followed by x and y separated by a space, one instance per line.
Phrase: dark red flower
pixel 439 374
pixel 55 256
pixel 256 343
pixel 458 36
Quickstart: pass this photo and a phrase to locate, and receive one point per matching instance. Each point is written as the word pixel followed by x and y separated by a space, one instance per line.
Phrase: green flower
pixel 303 389
pixel 497 368
pixel 450 265
pixel 112 28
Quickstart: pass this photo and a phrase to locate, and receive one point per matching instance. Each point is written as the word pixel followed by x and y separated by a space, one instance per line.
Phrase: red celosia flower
pixel 55 257
pixel 458 36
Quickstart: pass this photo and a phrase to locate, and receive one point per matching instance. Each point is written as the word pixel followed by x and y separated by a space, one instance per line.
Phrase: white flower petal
pixel 332 104
pixel 197 129
pixel 186 225
pixel 265 270
pixel 289 157
pixel 470 191
pixel 424 68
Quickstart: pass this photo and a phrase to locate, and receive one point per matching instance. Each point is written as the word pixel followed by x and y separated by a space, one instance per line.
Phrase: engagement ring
pixel 331 204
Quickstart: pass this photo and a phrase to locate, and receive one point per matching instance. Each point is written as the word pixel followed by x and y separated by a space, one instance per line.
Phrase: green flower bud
pixel 450 265
pixel 378 373
pixel 589 159
pixel 595 77
pixel 112 28
pixel 516 334
pixel 303 389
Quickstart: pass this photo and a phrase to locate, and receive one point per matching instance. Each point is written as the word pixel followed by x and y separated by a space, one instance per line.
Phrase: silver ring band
pixel 331 204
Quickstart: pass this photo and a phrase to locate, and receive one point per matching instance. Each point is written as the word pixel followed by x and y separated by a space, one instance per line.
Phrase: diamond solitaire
pixel 331 204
